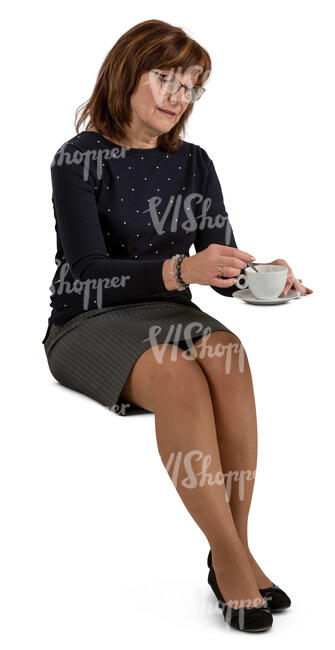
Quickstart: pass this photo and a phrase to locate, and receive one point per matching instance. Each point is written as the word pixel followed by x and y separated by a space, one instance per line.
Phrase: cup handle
pixel 244 280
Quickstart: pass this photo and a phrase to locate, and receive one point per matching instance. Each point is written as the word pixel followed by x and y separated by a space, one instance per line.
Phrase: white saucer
pixel 247 296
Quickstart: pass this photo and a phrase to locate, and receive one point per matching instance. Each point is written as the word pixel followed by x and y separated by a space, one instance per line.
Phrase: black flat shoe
pixel 245 619
pixel 275 597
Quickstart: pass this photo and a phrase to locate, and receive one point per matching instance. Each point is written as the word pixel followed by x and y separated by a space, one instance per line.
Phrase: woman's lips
pixel 170 113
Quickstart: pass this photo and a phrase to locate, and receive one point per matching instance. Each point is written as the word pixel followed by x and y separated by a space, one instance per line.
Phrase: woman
pixel 130 198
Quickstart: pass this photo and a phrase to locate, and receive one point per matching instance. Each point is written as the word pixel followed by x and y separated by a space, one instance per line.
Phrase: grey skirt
pixel 94 352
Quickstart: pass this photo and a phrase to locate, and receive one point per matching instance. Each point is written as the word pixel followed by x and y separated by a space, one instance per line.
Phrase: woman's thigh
pixel 158 371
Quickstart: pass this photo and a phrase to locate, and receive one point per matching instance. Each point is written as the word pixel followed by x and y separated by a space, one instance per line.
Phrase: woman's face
pixel 154 110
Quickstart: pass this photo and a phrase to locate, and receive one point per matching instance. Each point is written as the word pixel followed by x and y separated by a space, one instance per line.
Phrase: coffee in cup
pixel 267 284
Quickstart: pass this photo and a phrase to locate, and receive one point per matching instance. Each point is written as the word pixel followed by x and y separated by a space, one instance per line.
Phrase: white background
pixel 96 546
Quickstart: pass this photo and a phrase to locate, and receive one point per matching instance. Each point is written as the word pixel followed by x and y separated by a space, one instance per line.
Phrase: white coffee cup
pixel 267 284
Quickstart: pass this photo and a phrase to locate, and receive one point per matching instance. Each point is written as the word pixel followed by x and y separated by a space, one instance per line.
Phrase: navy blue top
pixel 120 212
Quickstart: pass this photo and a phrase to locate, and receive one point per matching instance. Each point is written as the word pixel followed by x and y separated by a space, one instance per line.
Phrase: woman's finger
pixel 229 271
pixel 222 282
pixel 286 288
pixel 299 286
pixel 289 283
pixel 231 251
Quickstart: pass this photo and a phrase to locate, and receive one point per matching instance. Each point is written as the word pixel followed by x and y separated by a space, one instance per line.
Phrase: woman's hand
pixel 291 280
pixel 204 267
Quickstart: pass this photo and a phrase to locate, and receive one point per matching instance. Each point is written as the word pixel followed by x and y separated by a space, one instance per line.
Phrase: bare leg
pixel 177 392
pixel 230 383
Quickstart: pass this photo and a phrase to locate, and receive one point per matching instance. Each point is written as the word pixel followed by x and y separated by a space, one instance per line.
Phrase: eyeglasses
pixel 172 86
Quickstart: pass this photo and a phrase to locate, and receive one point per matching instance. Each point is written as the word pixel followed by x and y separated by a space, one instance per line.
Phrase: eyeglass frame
pixel 175 80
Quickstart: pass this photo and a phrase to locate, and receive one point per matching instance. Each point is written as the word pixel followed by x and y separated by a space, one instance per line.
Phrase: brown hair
pixel 147 45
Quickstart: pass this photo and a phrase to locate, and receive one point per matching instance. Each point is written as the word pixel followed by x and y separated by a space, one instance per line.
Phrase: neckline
pixel 121 145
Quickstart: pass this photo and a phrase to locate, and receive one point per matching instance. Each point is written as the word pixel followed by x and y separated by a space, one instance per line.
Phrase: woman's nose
pixel 177 97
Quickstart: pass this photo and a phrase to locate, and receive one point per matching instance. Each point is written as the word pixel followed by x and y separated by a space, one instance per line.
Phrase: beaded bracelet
pixel 177 279
pixel 172 272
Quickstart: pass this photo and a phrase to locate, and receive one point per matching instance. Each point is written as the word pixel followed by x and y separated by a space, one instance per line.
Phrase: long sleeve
pixel 77 217
pixel 222 232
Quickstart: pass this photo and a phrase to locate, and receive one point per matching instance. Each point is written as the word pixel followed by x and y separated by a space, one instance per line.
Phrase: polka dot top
pixel 120 212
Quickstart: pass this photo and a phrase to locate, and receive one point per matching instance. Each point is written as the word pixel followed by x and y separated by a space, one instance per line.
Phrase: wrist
pixel 167 279
pixel 170 282
pixel 185 269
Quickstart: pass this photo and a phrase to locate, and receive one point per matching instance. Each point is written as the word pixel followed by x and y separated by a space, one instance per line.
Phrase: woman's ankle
pixel 232 553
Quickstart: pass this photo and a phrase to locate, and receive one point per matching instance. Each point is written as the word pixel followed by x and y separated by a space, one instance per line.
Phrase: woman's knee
pixel 220 351
pixel 181 380
pixel 171 363
pixel 164 372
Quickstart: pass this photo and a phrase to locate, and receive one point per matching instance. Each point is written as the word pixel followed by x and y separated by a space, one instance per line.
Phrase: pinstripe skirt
pixel 94 352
